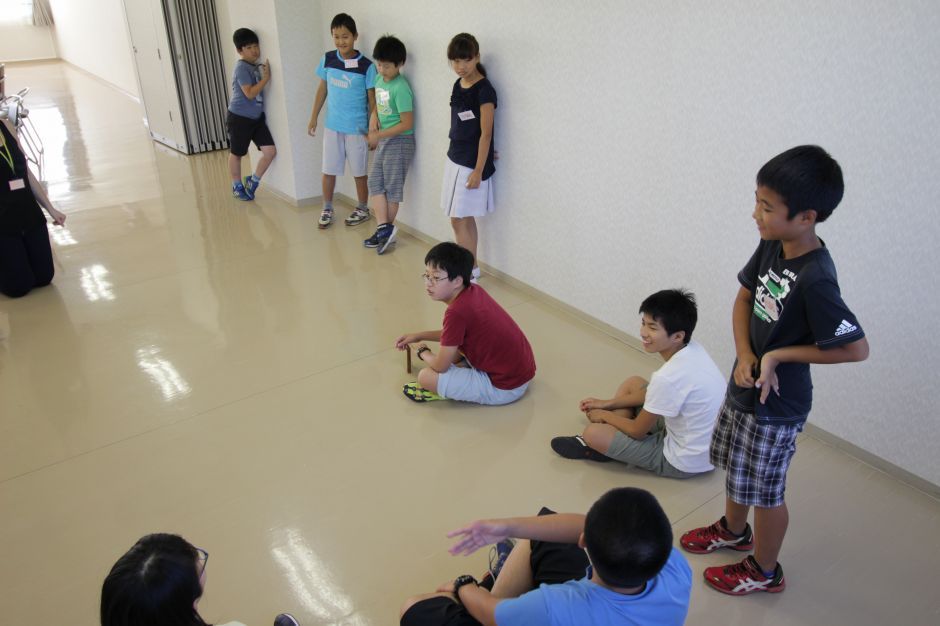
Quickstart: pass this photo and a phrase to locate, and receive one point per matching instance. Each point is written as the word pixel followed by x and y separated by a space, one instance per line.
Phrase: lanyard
pixel 7 156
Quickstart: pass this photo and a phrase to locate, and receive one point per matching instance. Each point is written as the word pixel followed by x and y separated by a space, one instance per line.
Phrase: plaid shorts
pixel 757 456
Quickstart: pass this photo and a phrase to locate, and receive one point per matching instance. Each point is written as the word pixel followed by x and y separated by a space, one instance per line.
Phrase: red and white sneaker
pixel 740 579
pixel 710 538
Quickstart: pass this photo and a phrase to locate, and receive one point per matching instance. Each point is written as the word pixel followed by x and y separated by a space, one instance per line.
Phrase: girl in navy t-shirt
pixel 467 190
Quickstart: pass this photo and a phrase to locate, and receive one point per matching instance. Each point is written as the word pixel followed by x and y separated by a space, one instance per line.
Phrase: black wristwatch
pixel 462 580
pixel 421 351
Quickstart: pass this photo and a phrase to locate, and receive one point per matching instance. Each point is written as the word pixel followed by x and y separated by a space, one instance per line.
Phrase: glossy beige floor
pixel 225 371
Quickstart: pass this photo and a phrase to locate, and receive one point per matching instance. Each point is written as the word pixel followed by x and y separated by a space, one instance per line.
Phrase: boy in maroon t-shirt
pixel 484 357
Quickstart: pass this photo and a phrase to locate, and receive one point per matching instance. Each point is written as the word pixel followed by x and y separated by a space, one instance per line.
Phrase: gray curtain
pixel 42 13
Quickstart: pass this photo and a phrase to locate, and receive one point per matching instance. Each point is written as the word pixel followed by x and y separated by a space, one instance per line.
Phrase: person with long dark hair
pixel 25 252
pixel 159 582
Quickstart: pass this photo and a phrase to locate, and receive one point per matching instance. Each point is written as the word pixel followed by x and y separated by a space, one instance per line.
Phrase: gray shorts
pixel 341 147
pixel 390 165
pixel 645 453
pixel 472 385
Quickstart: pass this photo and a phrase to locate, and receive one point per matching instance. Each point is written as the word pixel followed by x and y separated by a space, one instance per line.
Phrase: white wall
pixel 291 37
pixel 92 34
pixel 25 42
pixel 630 134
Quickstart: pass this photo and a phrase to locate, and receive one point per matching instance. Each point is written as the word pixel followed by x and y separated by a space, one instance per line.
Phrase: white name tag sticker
pixel 17 183
pixel 466 115
pixel 351 64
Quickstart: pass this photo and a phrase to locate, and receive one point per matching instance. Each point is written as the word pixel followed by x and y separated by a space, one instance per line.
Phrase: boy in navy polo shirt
pixel 788 313
pixel 245 119
pixel 347 86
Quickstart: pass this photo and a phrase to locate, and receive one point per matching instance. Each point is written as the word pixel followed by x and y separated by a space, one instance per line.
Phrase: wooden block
pixel 408 358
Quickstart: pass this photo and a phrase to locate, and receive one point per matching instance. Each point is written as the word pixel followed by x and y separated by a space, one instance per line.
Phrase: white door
pixel 155 71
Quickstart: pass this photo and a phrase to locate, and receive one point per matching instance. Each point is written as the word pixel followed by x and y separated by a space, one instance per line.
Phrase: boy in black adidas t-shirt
pixel 788 313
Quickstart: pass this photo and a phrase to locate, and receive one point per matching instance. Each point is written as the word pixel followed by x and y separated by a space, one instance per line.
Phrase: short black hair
pixel 244 37
pixel 389 49
pixel 344 19
pixel 451 258
pixel 673 308
pixel 807 178
pixel 628 537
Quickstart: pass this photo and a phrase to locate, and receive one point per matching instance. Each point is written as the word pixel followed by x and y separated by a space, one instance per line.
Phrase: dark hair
pixel 244 37
pixel 807 178
pixel 389 49
pixel 344 19
pixel 628 537
pixel 155 583
pixel 451 258
pixel 464 46
pixel 673 308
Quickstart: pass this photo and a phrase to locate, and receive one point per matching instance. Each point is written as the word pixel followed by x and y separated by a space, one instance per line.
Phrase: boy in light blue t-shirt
pixel 616 565
pixel 347 86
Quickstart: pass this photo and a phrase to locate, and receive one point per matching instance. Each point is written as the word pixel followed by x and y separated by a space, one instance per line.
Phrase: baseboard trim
pixel 911 480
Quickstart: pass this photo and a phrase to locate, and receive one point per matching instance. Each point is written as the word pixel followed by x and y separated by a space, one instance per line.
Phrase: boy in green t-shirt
pixel 391 134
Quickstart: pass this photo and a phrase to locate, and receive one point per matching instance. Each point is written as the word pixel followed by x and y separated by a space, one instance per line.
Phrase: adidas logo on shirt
pixel 845 327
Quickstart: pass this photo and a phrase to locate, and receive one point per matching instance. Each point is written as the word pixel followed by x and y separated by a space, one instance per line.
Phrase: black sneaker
pixel 286 619
pixel 576 448
pixel 373 241
pixel 386 238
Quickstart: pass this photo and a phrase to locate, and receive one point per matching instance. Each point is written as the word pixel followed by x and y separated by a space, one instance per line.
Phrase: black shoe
pixel 575 448
pixel 286 619
pixel 373 241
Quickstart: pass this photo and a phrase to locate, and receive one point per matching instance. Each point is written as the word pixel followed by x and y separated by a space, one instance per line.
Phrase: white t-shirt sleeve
pixel 663 396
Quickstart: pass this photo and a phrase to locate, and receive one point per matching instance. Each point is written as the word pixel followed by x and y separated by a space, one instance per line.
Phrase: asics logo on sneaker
pixel 845 327
pixel 749 584
pixel 715 544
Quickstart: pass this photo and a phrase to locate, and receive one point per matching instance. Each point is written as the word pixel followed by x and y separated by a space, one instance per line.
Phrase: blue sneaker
pixel 251 185
pixel 498 555
pixel 386 237
pixel 239 191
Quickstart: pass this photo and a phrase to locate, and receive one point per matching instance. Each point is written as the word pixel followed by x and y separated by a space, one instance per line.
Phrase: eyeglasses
pixel 433 279
pixel 202 558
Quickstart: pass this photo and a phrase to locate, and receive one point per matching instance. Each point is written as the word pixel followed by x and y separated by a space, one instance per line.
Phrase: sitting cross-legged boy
pixel 616 565
pixel 665 425
pixel 484 357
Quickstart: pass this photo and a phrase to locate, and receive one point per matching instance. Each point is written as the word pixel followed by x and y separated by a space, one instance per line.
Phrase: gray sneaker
pixel 326 217
pixel 360 215
pixel 286 619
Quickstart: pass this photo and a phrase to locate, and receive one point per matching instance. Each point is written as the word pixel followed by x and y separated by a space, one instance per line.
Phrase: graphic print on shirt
pixel 382 99
pixel 771 292
pixel 344 83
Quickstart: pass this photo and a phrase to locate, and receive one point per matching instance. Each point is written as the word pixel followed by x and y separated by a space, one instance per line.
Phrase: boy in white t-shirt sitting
pixel 665 425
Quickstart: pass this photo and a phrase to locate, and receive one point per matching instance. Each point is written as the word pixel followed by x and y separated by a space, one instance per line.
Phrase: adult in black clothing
pixel 25 253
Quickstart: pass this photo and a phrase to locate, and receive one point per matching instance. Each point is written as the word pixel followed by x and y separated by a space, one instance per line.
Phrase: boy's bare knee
pixel 427 378
pixel 595 436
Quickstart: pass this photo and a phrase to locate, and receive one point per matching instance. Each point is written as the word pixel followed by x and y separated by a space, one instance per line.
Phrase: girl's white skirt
pixel 457 200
